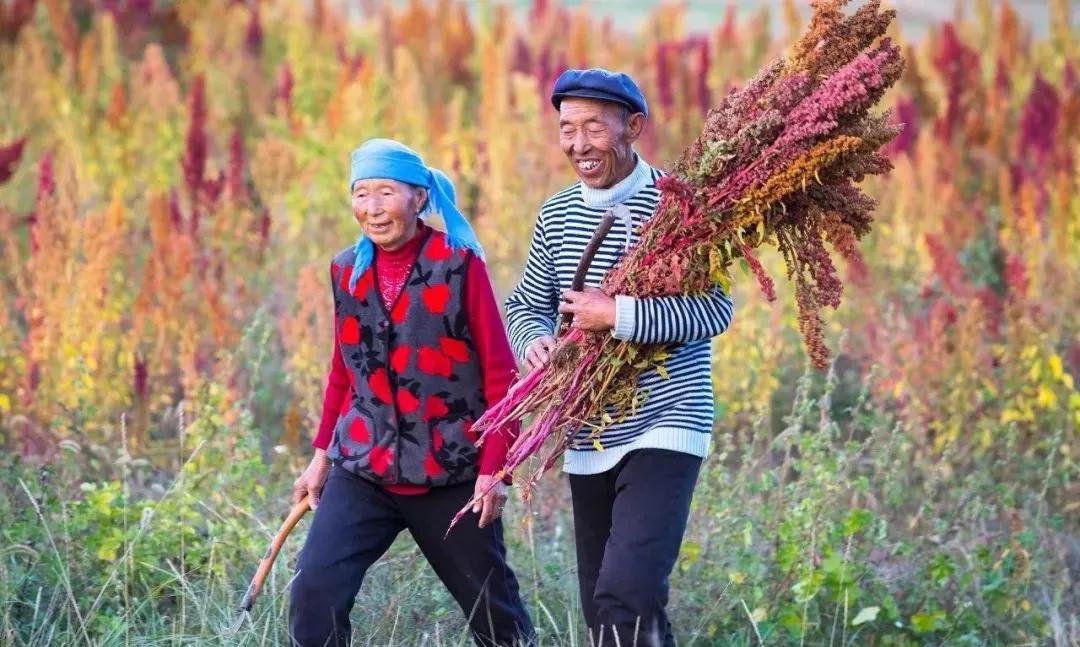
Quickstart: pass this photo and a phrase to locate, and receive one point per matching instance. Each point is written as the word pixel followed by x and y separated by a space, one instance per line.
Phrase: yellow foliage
pixel 126 260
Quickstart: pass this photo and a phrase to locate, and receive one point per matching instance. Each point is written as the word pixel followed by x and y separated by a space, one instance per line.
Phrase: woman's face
pixel 387 210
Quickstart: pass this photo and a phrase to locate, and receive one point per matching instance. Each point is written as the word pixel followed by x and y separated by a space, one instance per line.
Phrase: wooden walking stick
pixel 267 561
pixel 578 284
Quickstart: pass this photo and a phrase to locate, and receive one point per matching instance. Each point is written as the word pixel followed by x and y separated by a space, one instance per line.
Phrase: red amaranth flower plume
pixel 46 179
pixel 140 378
pixel 284 90
pixel 947 268
pixel 1015 275
pixel 521 61
pixel 13 16
pixel 768 288
pixel 234 178
pixel 176 217
pixel 195 149
pixel 264 228
pixel 46 189
pixel 9 158
pixel 253 38
pixel 1039 119
pixel 704 95
pixel 665 92
pixel 538 10
pixel 1002 82
pixel 958 64
pixel 906 115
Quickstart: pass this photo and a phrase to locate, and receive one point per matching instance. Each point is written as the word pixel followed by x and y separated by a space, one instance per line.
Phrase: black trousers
pixel 356 522
pixel 628 525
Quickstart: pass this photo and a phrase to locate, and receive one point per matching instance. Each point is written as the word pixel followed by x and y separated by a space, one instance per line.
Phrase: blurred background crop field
pixel 173 186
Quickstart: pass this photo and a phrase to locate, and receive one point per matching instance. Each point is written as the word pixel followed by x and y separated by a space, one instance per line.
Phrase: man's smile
pixel 588 167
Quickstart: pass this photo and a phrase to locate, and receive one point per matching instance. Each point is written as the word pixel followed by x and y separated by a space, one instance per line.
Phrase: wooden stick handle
pixel 267 561
pixel 587 258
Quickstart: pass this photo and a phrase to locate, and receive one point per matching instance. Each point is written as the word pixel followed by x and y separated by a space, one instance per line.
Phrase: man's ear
pixel 635 125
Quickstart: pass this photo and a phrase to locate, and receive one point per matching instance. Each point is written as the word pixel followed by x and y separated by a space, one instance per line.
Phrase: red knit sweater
pixel 488 335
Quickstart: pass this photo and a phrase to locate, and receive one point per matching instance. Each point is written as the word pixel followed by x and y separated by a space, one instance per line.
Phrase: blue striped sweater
pixel 678 411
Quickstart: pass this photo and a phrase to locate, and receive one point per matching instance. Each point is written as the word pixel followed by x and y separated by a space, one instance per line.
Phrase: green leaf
pixel 857 520
pixel 941 568
pixel 690 552
pixel 927 622
pixel 867 614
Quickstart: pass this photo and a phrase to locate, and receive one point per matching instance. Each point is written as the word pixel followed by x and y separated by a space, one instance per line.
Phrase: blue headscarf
pixel 391 160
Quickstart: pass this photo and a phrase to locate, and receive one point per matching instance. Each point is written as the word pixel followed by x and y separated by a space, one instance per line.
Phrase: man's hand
pixel 592 309
pixel 538 353
pixel 491 506
pixel 312 479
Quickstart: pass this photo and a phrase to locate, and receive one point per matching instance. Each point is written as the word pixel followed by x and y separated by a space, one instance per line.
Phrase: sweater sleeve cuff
pixel 493 454
pixel 526 339
pixel 625 317
pixel 329 418
pixel 324 435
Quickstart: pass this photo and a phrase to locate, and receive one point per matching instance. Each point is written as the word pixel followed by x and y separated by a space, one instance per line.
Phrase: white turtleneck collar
pixel 622 190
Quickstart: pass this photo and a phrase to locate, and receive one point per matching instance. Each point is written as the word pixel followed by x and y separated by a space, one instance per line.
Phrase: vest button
pixel 384 324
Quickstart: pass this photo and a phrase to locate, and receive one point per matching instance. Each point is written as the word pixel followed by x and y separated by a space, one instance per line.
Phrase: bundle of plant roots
pixel 776 165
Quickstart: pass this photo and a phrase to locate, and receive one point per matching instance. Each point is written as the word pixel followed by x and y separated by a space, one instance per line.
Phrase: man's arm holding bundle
pixel 653 320
pixel 672 319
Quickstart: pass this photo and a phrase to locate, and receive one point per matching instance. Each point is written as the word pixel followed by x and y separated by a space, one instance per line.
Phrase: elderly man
pixel 632 498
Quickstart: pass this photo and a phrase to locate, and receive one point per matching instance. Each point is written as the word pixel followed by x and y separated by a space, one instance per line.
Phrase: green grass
pixel 827 527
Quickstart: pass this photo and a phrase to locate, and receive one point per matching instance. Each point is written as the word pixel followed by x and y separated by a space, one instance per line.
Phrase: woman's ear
pixel 420 195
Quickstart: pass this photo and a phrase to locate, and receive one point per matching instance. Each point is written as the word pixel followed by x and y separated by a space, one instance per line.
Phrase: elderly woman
pixel 419 353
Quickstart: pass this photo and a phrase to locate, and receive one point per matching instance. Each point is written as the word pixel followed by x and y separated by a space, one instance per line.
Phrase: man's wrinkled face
pixel 598 137
pixel 387 210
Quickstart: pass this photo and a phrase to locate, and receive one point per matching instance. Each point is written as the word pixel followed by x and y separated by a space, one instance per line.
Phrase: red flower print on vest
pixel 438 250
pixel 358 431
pixel 435 408
pixel 406 401
pixel 455 349
pixel 431 466
pixel 436 439
pixel 380 385
pixel 467 427
pixel 401 309
pixel 433 362
pixel 346 274
pixel 399 359
pixel 436 298
pixel 350 331
pixel 363 285
pixel 380 459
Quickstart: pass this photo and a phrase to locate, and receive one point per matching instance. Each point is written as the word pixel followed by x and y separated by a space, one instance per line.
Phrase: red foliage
pixel 9 158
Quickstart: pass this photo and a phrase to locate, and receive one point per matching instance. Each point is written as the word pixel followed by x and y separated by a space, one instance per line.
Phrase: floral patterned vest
pixel 417 382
